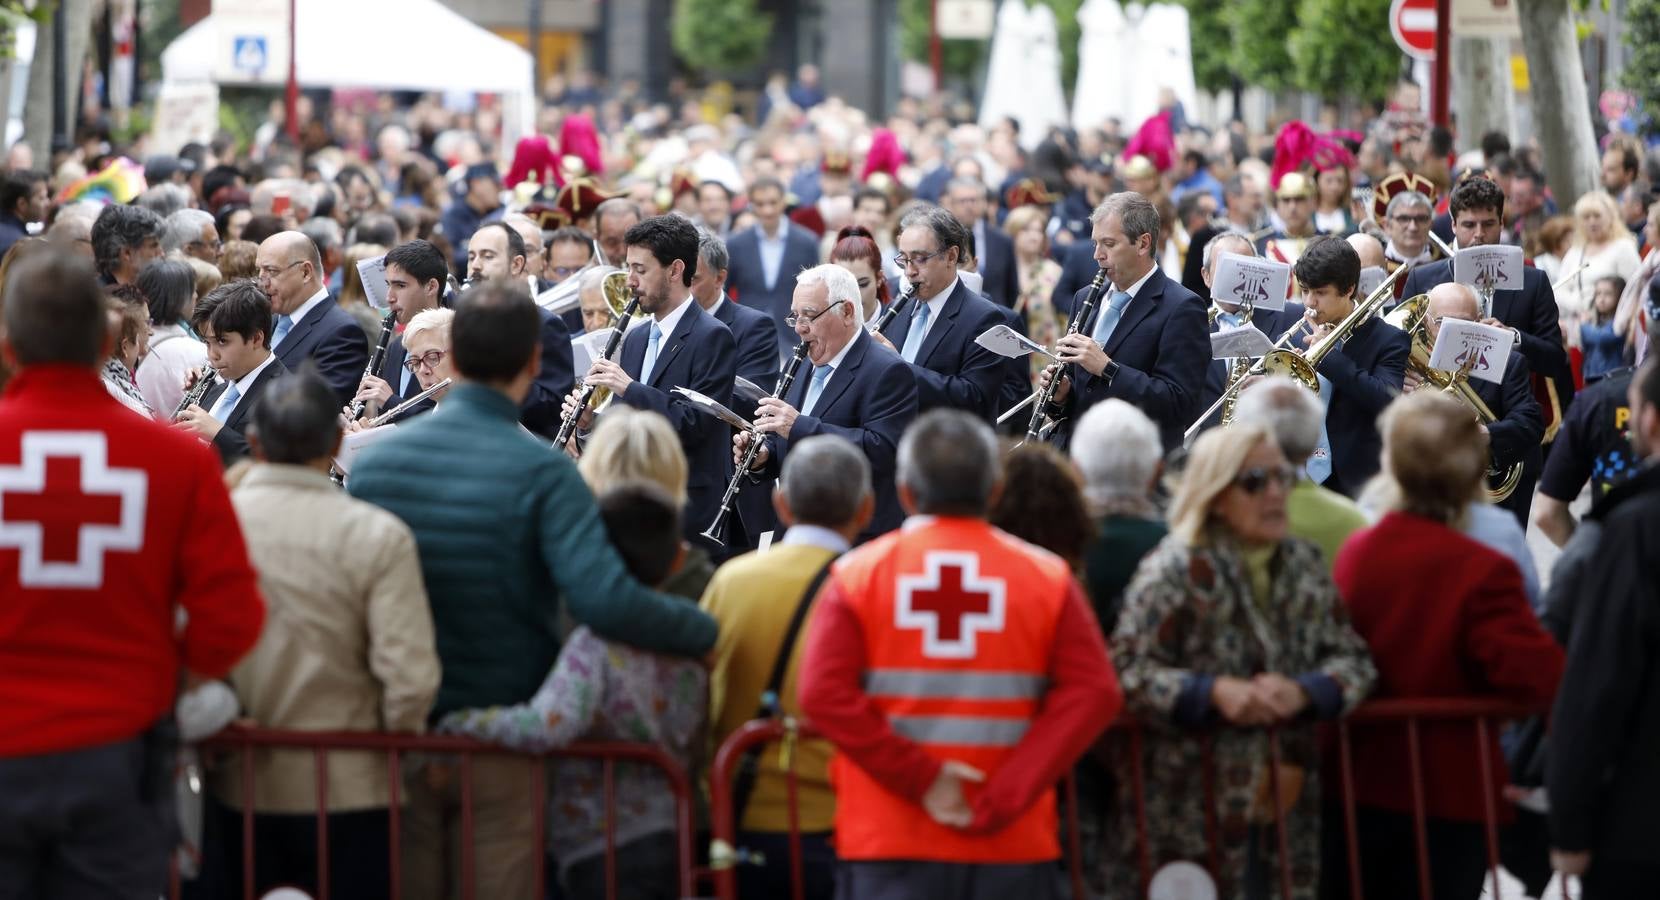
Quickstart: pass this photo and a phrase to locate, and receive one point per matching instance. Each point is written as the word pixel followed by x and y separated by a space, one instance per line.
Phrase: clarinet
pixel 1080 315
pixel 568 426
pixel 888 314
pixel 387 326
pixel 197 391
pixel 785 379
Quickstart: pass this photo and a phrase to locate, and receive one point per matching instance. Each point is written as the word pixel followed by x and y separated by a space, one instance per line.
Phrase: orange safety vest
pixel 958 620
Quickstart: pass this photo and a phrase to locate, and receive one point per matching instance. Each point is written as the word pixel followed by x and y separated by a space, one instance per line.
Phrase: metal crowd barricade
pixel 1484 714
pixel 321 744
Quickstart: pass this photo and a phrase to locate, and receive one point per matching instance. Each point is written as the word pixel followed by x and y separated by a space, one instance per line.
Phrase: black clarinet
pixel 388 324
pixel 888 314
pixel 568 426
pixel 784 381
pixel 1034 429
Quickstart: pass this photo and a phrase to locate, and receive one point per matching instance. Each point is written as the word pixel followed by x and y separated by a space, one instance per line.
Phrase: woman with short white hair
pixel 1116 448
pixel 426 342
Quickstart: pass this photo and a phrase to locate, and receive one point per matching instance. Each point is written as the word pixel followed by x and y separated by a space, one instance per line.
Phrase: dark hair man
pixel 111 524
pixel 233 320
pixel 24 199
pixel 766 256
pixel 124 239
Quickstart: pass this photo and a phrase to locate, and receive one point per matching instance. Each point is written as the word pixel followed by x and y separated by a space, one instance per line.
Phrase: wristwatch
pixel 1109 372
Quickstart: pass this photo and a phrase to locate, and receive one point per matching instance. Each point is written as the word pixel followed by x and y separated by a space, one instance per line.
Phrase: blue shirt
pixel 772 251
pixel 1604 349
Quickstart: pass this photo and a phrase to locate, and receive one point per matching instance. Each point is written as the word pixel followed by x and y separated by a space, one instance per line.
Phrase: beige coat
pixel 348 641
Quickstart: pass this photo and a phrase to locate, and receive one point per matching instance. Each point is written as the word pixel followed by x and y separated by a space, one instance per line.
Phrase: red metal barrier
pixel 395 745
pixel 1407 714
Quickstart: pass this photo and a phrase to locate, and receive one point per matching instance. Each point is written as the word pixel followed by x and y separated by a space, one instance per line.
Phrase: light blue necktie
pixel 227 402
pixel 913 338
pixel 284 324
pixel 1319 465
pixel 651 354
pixel 1108 320
pixel 1230 319
pixel 821 374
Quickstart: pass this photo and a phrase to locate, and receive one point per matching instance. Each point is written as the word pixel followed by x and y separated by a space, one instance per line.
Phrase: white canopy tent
pixel 340 45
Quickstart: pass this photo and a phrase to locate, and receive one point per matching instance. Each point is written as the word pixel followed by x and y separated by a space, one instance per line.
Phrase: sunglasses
pixel 1255 480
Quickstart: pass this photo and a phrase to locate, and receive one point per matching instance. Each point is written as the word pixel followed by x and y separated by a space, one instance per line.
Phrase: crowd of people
pixel 685 422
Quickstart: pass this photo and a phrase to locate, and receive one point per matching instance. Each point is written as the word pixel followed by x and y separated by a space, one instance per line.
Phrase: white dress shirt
pixel 243 384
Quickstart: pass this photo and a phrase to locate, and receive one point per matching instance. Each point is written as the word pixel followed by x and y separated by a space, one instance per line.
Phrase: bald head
pixel 1370 250
pixel 290 270
pixel 1451 301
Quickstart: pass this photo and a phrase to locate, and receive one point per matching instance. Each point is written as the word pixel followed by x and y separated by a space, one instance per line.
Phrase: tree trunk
pixel 37 109
pixel 1481 90
pixel 1561 107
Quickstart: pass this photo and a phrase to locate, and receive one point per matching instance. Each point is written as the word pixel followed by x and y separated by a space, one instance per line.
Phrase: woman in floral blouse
pixel 1038 274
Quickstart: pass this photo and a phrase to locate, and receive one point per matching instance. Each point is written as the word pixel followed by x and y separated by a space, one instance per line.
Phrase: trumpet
pixel 387 326
pixel 887 316
pixel 394 412
pixel 1042 399
pixel 197 391
pixel 785 379
pixel 615 289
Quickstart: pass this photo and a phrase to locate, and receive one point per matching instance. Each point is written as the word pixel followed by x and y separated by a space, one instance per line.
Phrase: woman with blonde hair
pixel 630 445
pixel 1231 622
pixel 1602 246
pixel 1037 275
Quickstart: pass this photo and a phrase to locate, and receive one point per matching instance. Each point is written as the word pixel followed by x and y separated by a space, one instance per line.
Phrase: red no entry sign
pixel 1412 22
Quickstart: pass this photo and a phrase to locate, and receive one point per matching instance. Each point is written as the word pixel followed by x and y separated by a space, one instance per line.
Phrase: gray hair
pixel 948 459
pixel 164 199
pixel 1137 214
pixel 948 232
pixel 1290 411
pixel 840 284
pixel 1232 234
pixel 592 278
pixel 183 228
pixel 824 480
pixel 617 206
pixel 1405 199
pixel 1117 448
pixel 296 420
pixel 711 251
pixel 323 231
pixel 121 227
pixel 436 320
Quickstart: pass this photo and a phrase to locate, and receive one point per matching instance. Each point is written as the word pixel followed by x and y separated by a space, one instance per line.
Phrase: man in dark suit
pixel 935 333
pixel 850 386
pixel 766 257
pixel 1359 377
pixel 1513 435
pixel 751 329
pixel 1271 322
pixel 415 277
pixel 1477 208
pixel 679 346
pixel 309 324
pixel 965 198
pixel 232 320
pixel 498 251
pixel 1146 341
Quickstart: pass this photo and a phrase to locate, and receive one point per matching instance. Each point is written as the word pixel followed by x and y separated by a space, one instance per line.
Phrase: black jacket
pixel 1605 734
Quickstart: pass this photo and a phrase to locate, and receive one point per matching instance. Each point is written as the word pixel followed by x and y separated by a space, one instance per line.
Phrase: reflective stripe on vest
pixel 925 684
pixel 961 731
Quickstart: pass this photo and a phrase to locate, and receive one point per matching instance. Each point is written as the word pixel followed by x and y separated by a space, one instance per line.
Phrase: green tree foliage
pixel 1258 52
pixel 1212 41
pixel 16 13
pixel 1642 67
pixel 1341 49
pixel 713 36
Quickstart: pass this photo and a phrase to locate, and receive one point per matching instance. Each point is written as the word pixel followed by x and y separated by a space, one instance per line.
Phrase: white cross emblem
pixel 950 603
pixel 92 539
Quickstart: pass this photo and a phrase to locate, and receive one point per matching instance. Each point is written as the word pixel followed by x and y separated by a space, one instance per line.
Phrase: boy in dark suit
pixel 234 321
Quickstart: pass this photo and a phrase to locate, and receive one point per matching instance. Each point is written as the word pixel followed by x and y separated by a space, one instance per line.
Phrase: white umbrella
pixel 1044 103
pixel 1005 95
pixel 1098 95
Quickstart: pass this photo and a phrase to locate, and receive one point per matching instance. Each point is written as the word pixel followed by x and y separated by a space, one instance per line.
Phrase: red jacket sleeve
pixel 1083 699
pixel 220 590
pixel 832 697
pixel 1513 652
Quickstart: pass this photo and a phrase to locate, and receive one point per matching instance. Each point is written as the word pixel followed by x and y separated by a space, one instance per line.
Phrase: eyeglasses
pixel 1256 479
pixel 792 320
pixel 565 271
pixel 430 359
pixel 916 259
pixel 215 245
pixel 270 273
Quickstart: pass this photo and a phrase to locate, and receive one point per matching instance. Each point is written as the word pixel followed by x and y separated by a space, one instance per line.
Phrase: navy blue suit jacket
pixel 746 277
pixel 702 356
pixel 1002 279
pixel 541 411
pixel 757 346
pixel 1366 375
pixel 1162 347
pixel 334 341
pixel 1515 436
pixel 1531 310
pixel 951 370
pixel 1268 321
pixel 231 441
pixel 870 401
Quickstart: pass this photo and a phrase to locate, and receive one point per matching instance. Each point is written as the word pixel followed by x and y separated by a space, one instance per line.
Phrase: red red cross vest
pixel 958 620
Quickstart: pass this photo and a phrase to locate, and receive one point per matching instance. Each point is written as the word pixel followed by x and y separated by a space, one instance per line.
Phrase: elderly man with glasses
pixel 308 323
